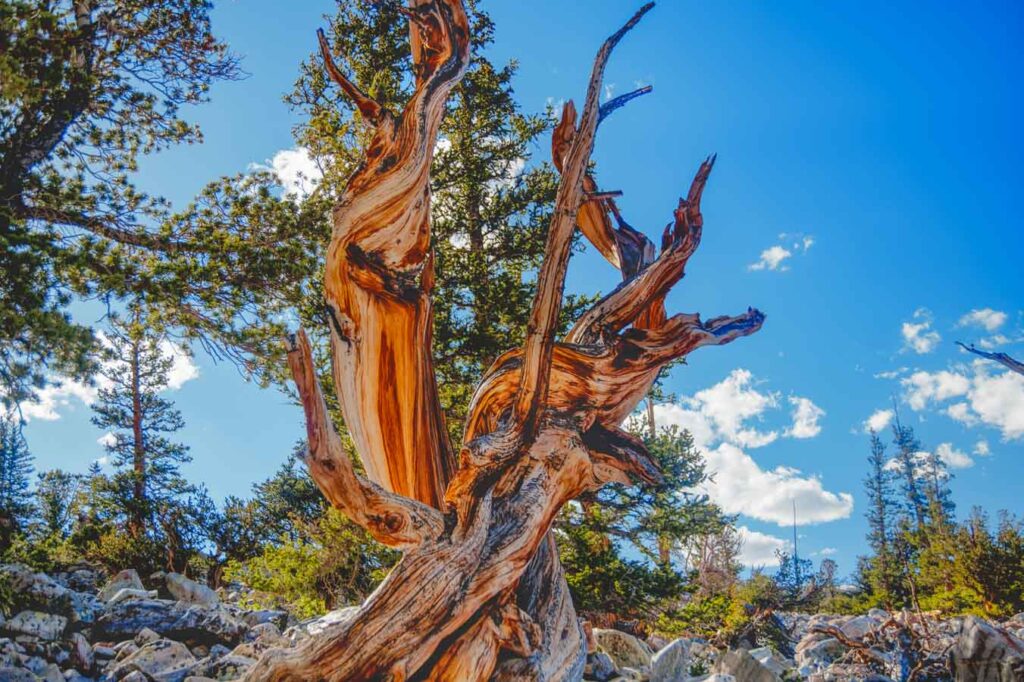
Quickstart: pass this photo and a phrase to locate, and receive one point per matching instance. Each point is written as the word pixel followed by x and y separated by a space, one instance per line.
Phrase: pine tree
pixel 148 482
pixel 15 476
pixel 908 454
pixel 55 495
pixel 882 571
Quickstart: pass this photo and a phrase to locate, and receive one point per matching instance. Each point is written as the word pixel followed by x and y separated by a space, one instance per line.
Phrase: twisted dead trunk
pixel 479 592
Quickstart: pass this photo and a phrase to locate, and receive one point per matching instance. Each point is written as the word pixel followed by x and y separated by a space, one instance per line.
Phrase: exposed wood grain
pixel 479 592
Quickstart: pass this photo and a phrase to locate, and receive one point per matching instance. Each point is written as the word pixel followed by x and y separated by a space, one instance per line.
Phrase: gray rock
pixel 858 627
pixel 164 659
pixel 38 624
pixel 189 591
pixel 600 667
pixel 741 665
pixel 714 677
pixel 626 650
pixel 315 626
pixel 128 578
pixel 51 673
pixel 229 667
pixel 278 618
pixel 819 654
pixel 40 591
pixel 672 663
pixel 82 657
pixel 184 622
pixel 126 593
pixel 985 653
pixel 12 674
pixel 767 657
pixel 146 636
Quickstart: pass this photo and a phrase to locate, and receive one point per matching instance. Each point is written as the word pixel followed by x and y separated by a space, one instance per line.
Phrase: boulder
pixel 229 667
pixel 672 662
pixel 626 650
pixel 191 623
pixel 741 665
pixel 81 652
pixel 164 659
pixel 984 653
pixel 600 667
pixel 767 657
pixel 189 591
pixel 858 627
pixel 12 674
pixel 45 626
pixel 128 578
pixel 278 618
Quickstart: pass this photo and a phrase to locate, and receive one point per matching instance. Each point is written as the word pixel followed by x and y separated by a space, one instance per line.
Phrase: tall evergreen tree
pixel 140 421
pixel 908 459
pixel 15 477
pixel 878 487
pixel 88 88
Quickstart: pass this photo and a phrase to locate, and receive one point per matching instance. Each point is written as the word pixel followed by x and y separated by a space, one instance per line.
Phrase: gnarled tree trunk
pixel 479 592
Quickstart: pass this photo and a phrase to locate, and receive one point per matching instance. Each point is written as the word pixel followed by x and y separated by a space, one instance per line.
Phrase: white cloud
pixel 740 486
pixel 827 551
pixel 924 387
pixel 296 170
pixel 720 412
pixel 52 400
pixel 986 318
pixel 996 400
pixel 994 341
pixel 718 417
pixel 772 259
pixel 878 420
pixel 982 449
pixel 953 458
pixel 892 374
pixel 805 418
pixel 109 439
pixel 758 549
pixel 918 335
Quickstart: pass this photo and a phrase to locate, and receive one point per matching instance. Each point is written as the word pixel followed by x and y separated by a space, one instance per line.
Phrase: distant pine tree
pixel 15 474
pixel 884 572
pixel 140 419
pixel 908 453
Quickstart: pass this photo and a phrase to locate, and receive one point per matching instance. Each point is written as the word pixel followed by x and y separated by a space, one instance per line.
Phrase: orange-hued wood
pixel 479 593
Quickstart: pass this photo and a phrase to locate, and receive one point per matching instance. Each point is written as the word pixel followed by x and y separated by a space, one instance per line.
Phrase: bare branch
pixel 368 107
pixel 540 331
pixel 392 519
pixel 1002 358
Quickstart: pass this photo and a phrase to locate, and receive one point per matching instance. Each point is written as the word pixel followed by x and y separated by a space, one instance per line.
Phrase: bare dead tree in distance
pixel 479 592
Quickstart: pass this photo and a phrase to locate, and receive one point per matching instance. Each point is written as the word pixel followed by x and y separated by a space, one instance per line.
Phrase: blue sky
pixel 865 198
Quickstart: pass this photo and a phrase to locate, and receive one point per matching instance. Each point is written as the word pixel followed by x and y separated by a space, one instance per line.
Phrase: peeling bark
pixel 479 592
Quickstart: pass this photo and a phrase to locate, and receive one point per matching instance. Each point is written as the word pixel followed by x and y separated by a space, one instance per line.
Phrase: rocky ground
pixel 80 626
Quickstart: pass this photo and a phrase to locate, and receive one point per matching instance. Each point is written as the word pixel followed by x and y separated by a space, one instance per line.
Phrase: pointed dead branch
pixel 367 106
pixel 392 519
pixel 618 102
pixel 540 331
pixel 1002 358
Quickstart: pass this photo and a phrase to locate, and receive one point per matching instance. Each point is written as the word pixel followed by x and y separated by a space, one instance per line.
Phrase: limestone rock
pixel 170 619
pixel 600 667
pixel 128 578
pixel 741 665
pixel 45 626
pixel 12 674
pixel 985 653
pixel 626 650
pixel 189 591
pixel 315 626
pixel 81 653
pixel 164 659
pixel 126 593
pixel 672 662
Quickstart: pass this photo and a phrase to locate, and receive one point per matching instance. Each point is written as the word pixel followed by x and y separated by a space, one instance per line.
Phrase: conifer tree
pixel 908 454
pixel 15 476
pixel 147 482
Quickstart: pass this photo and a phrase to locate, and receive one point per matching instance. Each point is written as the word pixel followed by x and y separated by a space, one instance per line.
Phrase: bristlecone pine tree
pixel 478 593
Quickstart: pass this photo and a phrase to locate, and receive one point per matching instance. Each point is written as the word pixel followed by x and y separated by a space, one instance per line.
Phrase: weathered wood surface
pixel 479 592
pixel 1003 359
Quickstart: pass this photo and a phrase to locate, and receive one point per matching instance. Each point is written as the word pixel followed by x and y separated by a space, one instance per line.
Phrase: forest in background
pixel 230 271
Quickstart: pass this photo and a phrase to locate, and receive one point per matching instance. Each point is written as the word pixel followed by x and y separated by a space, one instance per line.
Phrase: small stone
pixel 146 636
pixel 600 667
pixel 45 626
pixel 128 578
pixel 858 627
